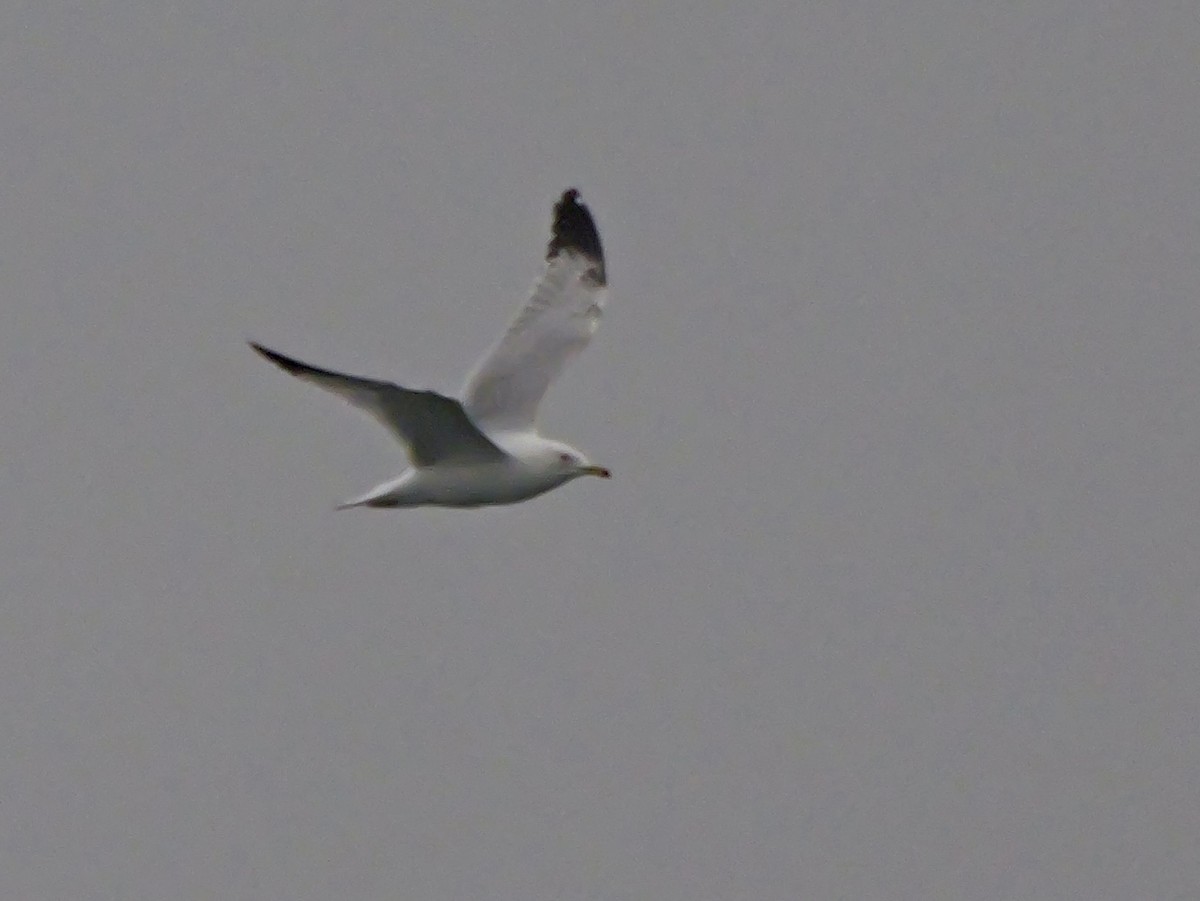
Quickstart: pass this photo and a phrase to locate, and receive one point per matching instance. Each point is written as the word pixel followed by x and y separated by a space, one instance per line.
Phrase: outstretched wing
pixel 507 385
pixel 434 428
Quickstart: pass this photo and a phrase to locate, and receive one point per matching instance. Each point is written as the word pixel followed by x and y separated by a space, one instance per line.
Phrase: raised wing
pixel 507 385
pixel 435 429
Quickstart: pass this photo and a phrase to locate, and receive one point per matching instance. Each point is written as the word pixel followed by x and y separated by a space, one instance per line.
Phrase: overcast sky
pixel 894 592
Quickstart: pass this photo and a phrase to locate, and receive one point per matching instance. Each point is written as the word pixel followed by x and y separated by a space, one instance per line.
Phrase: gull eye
pixel 566 458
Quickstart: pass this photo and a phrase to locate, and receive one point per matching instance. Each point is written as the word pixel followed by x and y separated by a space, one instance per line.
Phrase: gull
pixel 483 448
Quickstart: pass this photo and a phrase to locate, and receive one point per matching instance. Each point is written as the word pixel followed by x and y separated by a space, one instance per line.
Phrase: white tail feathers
pixel 386 495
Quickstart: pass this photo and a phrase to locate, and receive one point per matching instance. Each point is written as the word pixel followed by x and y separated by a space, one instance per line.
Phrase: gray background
pixel 894 592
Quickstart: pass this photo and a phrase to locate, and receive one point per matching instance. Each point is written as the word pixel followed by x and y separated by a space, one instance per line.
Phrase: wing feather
pixel 434 428
pixel 557 322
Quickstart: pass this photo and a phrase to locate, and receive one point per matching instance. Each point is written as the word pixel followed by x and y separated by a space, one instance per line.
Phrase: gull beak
pixel 596 471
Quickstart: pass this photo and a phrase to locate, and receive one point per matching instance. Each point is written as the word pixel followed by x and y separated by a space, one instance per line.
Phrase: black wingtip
pixel 574 229
pixel 285 363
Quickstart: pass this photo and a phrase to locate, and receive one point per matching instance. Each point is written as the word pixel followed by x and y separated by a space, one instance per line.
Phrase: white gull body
pixel 485 448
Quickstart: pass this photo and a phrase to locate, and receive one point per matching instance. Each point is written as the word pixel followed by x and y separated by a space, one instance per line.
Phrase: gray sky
pixel 893 593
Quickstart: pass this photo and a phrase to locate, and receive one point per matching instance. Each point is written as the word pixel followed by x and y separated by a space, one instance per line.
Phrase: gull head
pixel 569 463
pixel 576 465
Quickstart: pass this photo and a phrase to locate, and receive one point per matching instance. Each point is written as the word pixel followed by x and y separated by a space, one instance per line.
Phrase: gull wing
pixel 434 428
pixel 557 322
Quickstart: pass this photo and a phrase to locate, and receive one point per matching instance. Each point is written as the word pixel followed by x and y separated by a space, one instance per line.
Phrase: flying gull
pixel 484 448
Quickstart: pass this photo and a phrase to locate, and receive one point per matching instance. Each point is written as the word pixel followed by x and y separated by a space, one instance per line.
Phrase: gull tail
pixel 382 502
pixel 385 496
